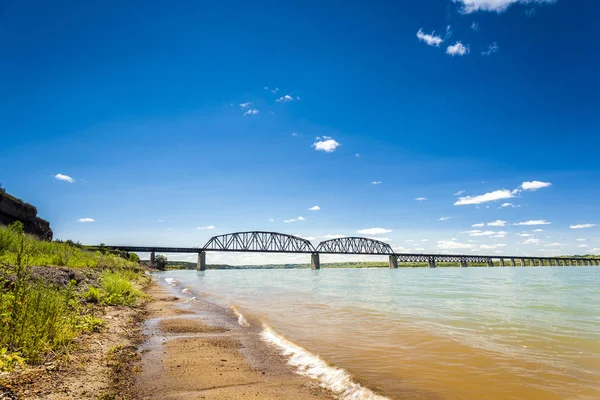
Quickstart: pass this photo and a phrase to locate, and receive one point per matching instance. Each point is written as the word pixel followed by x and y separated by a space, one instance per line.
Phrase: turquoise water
pixel 456 333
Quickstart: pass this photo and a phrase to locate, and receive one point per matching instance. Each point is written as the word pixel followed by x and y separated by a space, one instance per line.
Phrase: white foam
pixel 335 379
pixel 241 320
pixel 186 290
pixel 171 281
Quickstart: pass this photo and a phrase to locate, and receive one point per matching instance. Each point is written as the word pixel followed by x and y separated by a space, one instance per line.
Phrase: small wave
pixel 193 300
pixel 335 379
pixel 241 320
pixel 171 281
pixel 186 290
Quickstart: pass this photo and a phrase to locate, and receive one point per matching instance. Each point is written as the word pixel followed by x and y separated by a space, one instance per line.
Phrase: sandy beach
pixel 197 350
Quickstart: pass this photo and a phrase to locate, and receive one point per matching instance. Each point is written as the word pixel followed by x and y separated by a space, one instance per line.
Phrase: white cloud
pixel 458 49
pixel 475 26
pixel 534 222
pixel 452 245
pixel 444 218
pixel 581 240
pixel 470 6
pixel 314 208
pixel 305 237
pixel 497 223
pixel 421 198
pixel 65 178
pixel 409 241
pixel 285 99
pixel 553 245
pixel 477 232
pixel 500 235
pixel 479 225
pixel 294 133
pixel 357 155
pixel 271 220
pixel 537 230
pixel 531 241
pixel 334 236
pixel 245 105
pixel 507 205
pixel 86 220
pixel 381 239
pixel 523 234
pixel 582 226
pixel 483 198
pixel 490 49
pixel 376 183
pixel 300 218
pixel 534 185
pixel 491 246
pixel 201 228
pixel 326 144
pixel 160 220
pixel 430 39
pixel 374 231
pixel 423 240
pixel 252 111
pixel 582 245
pixel 459 193
pixel 419 249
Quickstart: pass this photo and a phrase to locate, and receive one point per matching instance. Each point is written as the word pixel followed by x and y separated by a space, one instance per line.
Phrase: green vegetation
pixel 161 262
pixel 39 320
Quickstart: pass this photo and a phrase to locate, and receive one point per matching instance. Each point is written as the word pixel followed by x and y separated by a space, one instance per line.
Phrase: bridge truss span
pixel 259 242
pixel 355 245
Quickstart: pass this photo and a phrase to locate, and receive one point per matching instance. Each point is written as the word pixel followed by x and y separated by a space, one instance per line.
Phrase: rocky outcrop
pixel 13 209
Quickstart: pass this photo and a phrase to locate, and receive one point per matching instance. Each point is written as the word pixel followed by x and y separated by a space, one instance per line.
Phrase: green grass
pixel 39 321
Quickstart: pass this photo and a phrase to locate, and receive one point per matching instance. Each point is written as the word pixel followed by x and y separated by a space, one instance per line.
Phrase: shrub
pixel 118 289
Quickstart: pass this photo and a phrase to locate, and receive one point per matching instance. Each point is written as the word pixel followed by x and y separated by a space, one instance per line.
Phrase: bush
pixel 118 290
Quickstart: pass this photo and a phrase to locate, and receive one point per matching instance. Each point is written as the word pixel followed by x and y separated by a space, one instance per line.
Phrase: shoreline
pixel 195 349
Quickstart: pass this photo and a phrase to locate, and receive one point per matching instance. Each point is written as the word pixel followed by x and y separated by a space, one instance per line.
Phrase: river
pixel 420 333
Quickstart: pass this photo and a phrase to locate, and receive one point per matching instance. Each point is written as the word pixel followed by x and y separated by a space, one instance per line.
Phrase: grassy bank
pixel 51 292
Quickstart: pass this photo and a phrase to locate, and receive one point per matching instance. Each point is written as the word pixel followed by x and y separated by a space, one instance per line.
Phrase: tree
pixel 134 257
pixel 161 262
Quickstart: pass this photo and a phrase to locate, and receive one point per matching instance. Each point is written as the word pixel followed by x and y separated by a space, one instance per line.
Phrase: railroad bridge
pixel 274 242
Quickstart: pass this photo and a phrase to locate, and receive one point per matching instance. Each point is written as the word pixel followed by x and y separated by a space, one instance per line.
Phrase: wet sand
pixel 197 350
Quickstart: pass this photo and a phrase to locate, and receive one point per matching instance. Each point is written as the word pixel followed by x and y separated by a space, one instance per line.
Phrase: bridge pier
pixel 464 264
pixel 152 260
pixel 393 262
pixel 315 263
pixel 523 262
pixel 541 262
pixel 502 262
pixel 432 263
pixel 490 263
pixel 532 262
pixel 201 265
pixel 512 262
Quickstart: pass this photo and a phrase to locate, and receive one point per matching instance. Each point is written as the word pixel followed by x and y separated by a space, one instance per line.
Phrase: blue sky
pixel 172 117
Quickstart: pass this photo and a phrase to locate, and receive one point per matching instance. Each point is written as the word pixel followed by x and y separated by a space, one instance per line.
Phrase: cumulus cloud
pixel 86 220
pixel 582 226
pixel 531 241
pixel 553 245
pixel 581 240
pixel 201 228
pixel 300 218
pixel 285 99
pixel 430 39
pixel 452 245
pixel 458 49
pixel 504 205
pixel 252 111
pixel 582 245
pixel 314 208
pixel 376 183
pixel 374 231
pixel 64 178
pixel 479 225
pixel 483 198
pixel 477 232
pixel 534 185
pixel 497 223
pixel 471 6
pixel 381 239
pixel 534 222
pixel 490 49
pixel 294 133
pixel 326 144
pixel 475 26
pixel 421 198
pixel 334 236
pixel 245 105
pixel 491 246
pixel 444 218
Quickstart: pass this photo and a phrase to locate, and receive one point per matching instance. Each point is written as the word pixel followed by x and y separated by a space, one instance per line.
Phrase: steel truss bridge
pixel 274 242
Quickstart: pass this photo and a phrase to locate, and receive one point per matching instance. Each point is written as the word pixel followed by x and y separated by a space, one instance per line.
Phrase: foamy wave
pixel 171 281
pixel 335 379
pixel 241 320
pixel 186 290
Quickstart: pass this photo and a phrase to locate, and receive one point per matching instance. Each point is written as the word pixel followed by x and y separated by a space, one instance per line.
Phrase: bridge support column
pixel 502 262
pixel 393 262
pixel 512 262
pixel 490 263
pixel 541 262
pixel 152 260
pixel 523 262
pixel 315 263
pixel 464 264
pixel 432 263
pixel 201 265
